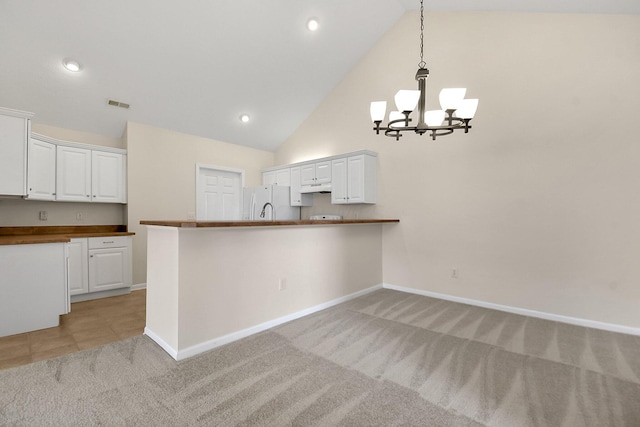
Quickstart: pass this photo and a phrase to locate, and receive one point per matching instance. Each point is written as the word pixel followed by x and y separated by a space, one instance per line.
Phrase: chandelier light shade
pixel 456 111
pixel 406 100
pixel 378 110
pixel 450 98
pixel 434 117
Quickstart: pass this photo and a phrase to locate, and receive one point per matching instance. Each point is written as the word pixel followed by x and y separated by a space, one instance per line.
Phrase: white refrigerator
pixel 257 199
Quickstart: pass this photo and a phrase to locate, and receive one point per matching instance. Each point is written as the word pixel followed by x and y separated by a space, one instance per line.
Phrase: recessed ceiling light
pixel 312 24
pixel 244 118
pixel 71 65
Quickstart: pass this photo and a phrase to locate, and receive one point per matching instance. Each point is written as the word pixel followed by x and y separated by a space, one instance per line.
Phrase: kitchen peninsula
pixel 46 268
pixel 210 283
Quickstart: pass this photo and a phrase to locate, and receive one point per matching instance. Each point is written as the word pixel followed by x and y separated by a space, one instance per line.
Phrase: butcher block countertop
pixel 214 224
pixel 58 234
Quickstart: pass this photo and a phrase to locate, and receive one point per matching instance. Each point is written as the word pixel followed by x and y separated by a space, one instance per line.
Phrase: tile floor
pixel 90 324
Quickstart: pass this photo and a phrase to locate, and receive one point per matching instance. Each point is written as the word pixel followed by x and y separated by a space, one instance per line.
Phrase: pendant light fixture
pixel 456 112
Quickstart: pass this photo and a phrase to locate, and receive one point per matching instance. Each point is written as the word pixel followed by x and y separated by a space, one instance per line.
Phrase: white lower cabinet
pixel 78 266
pixel 99 264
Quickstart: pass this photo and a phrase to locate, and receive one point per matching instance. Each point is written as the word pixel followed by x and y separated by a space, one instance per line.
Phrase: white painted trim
pixel 522 311
pixel 138 286
pixel 166 347
pixel 99 295
pixel 61 142
pixel 321 159
pixel 234 336
pixel 16 113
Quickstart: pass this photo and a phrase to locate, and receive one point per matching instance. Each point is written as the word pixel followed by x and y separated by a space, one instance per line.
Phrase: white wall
pixel 538 206
pixel 162 177
pixel 76 135
pixel 19 213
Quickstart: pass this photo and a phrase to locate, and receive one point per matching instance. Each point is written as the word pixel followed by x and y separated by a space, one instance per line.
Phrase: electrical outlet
pixel 44 215
pixel 454 273
pixel 282 284
pixel 191 215
pixel 79 216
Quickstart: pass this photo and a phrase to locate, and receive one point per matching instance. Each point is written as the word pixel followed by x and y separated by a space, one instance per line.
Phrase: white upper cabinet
pixel 339 184
pixel 107 174
pixel 349 177
pixel 73 174
pixel 88 175
pixel 315 173
pixel 15 128
pixel 277 177
pixel 41 176
pixel 297 198
pixel 283 177
pixel 269 178
pixel 354 179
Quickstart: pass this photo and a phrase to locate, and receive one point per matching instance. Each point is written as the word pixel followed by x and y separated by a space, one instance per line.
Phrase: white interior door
pixel 219 193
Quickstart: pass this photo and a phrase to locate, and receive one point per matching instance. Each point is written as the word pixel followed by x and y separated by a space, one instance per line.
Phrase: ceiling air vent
pixel 118 104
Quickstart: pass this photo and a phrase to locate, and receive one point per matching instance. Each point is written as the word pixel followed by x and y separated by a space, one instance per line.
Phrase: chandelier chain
pixel 422 64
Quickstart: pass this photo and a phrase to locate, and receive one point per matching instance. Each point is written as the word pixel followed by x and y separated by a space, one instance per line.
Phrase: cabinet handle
pixel 90 256
pixel 104 243
pixel 87 195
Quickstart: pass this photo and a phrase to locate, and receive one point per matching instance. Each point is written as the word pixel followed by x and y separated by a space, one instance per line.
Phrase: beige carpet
pixel 385 359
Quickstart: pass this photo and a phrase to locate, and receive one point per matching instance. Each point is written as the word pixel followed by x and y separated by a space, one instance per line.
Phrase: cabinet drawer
pixel 108 242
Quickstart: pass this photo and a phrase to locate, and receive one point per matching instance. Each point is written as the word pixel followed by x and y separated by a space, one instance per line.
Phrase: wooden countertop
pixel 214 224
pixel 57 234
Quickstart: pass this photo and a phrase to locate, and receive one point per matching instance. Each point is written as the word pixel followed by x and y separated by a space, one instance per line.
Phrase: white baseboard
pixel 162 343
pixel 98 295
pixel 138 286
pixel 226 339
pixel 523 311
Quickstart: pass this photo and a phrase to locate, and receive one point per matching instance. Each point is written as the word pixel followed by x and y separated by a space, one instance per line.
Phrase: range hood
pixel 316 188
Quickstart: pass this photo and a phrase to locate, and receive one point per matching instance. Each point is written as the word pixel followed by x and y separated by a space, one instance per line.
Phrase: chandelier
pixel 456 112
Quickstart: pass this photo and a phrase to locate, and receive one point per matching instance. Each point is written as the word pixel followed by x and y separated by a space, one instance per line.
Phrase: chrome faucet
pixel 264 208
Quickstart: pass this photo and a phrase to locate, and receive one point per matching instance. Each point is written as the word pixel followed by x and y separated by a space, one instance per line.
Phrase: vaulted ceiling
pixel 195 66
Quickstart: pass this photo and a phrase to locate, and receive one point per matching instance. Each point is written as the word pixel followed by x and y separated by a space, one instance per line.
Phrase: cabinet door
pixel 339 181
pixel 73 174
pixel 308 174
pixel 14 134
pixel 108 269
pixel 78 267
pixel 323 172
pixel 283 177
pixel 41 177
pixel 355 179
pixel 269 178
pixel 106 177
pixel 298 199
